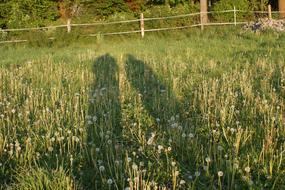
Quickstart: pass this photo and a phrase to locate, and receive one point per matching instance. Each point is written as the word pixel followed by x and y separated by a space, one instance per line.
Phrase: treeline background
pixel 37 13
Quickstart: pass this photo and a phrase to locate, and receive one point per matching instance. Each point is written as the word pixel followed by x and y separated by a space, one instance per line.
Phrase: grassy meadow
pixel 193 110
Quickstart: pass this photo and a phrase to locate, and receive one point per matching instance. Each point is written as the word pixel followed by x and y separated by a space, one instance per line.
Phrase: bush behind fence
pixel 162 20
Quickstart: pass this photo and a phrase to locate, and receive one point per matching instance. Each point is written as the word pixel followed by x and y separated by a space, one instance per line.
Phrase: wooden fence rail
pixel 142 21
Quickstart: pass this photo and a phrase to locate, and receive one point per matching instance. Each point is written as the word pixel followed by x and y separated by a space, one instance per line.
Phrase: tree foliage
pixel 15 13
pixel 19 13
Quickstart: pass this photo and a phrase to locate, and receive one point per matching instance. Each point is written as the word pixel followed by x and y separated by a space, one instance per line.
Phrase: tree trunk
pixel 204 10
pixel 281 5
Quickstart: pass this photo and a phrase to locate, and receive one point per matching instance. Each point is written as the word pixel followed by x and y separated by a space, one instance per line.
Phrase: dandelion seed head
pixel 117 162
pixel 197 173
pixel 109 181
pixel 160 147
pixel 75 138
pixel 220 148
pixel 100 162
pixel 191 135
pixel 208 159
pixel 182 182
pixel 220 173
pixel 176 173
pixel 134 166
pixel 247 169
pixel 150 140
pixel 101 168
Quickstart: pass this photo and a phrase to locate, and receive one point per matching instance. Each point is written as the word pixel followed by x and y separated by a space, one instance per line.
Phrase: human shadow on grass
pixel 105 105
pixel 103 122
pixel 157 97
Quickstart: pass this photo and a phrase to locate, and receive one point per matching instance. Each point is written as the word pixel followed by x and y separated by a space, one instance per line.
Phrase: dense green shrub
pixel 105 8
pixel 38 39
pixel 166 10
pixel 22 13
pixel 222 5
pixel 3 35
pixel 62 39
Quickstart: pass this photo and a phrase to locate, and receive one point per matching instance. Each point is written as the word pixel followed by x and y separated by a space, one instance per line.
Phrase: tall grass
pixel 190 111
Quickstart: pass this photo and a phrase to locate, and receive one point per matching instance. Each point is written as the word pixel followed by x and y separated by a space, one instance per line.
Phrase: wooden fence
pixel 142 20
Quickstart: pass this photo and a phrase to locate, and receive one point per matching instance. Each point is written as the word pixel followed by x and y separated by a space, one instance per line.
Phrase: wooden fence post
pixel 235 15
pixel 68 25
pixel 142 25
pixel 203 13
pixel 269 12
pixel 281 5
pixel 201 21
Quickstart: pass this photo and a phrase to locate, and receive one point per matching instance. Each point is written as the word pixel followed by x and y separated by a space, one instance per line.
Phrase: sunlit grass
pixel 194 111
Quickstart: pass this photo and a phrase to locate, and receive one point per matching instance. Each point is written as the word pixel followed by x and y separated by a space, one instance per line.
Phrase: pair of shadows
pixel 157 98
pixel 105 108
